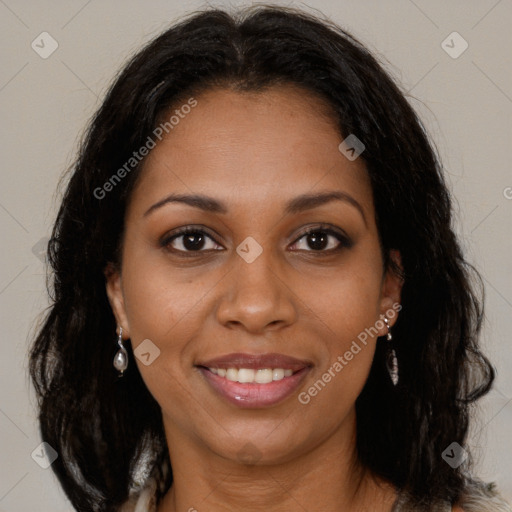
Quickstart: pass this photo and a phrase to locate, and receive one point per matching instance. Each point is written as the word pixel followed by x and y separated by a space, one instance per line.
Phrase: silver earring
pixel 391 360
pixel 121 357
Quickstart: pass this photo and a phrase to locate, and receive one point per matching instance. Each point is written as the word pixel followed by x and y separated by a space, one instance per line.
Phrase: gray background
pixel 466 103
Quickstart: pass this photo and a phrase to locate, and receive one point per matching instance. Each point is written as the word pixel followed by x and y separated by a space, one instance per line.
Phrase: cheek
pixel 158 298
pixel 349 342
pixel 348 307
pixel 347 299
pixel 162 305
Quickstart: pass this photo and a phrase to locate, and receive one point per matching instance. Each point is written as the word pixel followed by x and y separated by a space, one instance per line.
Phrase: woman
pixel 259 302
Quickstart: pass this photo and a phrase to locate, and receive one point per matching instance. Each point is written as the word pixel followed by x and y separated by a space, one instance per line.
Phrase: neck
pixel 328 477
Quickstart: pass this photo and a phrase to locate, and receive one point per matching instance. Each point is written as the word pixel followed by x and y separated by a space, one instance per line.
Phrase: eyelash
pixel 344 241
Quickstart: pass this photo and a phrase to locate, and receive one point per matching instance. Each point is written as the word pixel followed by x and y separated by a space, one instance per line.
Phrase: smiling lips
pixel 254 381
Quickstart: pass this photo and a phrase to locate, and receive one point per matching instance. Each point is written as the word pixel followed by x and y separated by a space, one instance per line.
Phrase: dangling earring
pixel 391 360
pixel 121 357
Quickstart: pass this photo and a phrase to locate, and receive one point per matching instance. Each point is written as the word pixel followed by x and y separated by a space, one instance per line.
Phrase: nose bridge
pixel 254 295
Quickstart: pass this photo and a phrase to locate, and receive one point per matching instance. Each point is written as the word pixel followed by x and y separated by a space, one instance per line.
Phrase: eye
pixel 189 240
pixel 324 240
pixel 320 239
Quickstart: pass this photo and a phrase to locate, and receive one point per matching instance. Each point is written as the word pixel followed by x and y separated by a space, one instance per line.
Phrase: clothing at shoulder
pixel 482 497
pixel 142 501
pixel 477 497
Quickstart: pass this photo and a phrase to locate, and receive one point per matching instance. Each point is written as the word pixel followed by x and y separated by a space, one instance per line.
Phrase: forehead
pixel 255 146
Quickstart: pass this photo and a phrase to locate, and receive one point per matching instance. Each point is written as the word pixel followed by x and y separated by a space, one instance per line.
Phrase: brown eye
pixel 189 240
pixel 320 239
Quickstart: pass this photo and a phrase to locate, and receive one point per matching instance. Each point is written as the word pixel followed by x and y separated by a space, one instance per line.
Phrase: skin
pixel 254 152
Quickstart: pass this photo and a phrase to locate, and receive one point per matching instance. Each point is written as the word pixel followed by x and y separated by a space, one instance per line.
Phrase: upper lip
pixel 255 361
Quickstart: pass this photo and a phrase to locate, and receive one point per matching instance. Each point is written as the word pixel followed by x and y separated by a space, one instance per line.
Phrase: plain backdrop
pixel 465 100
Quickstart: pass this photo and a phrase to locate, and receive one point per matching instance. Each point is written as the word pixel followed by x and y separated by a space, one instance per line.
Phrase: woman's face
pixel 248 287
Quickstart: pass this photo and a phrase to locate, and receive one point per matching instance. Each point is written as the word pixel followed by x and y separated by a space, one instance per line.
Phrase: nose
pixel 256 297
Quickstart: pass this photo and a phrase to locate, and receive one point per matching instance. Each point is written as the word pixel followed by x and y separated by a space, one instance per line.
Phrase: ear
pixel 391 291
pixel 116 298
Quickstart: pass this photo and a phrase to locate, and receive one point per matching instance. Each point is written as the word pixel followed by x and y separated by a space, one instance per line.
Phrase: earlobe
pixel 392 289
pixel 116 299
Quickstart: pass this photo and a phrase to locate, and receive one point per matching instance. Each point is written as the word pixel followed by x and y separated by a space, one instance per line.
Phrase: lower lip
pixel 252 395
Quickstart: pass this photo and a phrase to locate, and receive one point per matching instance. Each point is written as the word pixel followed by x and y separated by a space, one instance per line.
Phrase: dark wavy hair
pixel 104 427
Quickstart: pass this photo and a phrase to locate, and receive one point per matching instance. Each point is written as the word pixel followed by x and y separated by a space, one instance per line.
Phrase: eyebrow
pixel 295 205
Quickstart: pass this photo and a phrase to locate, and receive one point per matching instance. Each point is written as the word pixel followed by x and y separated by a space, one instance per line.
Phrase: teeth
pixel 277 374
pixel 264 376
pixel 232 374
pixel 248 375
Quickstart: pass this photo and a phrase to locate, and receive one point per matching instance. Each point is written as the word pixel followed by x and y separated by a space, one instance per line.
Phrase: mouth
pixel 254 381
